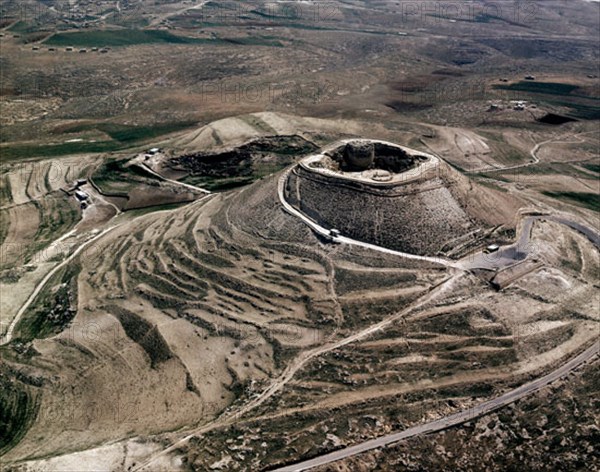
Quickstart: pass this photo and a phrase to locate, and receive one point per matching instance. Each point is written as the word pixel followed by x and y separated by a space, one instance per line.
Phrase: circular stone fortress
pixel 396 197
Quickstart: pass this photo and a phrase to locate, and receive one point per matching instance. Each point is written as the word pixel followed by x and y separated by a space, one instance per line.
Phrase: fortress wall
pixel 420 212
pixel 416 221
pixel 430 178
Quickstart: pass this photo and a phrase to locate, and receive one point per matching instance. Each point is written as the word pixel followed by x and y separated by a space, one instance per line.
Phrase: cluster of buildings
pixel 71 49
pixel 518 105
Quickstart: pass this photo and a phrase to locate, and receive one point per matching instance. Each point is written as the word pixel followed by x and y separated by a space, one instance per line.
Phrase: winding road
pixel 278 383
pixel 505 257
pixel 232 416
pixel 320 230
pixel 452 420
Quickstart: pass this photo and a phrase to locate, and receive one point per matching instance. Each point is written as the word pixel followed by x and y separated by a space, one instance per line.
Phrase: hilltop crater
pixel 396 197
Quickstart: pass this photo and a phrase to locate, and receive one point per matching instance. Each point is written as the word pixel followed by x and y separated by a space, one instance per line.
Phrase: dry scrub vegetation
pixel 225 321
pixel 194 312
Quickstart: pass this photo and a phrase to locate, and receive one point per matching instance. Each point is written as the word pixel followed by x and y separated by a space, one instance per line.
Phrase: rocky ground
pixel 214 328
pixel 556 429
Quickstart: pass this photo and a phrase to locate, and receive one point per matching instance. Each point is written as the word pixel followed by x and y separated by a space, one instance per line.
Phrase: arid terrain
pixel 180 290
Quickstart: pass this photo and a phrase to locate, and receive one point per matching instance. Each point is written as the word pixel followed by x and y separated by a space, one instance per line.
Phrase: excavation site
pixel 396 197
pixel 289 236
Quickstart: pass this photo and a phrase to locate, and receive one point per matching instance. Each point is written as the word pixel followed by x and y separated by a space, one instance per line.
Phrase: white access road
pixel 452 420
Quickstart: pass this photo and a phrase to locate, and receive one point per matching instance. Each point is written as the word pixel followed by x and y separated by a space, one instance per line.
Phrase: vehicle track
pixel 452 420
pixel 231 417
pixel 9 333
pixel 534 150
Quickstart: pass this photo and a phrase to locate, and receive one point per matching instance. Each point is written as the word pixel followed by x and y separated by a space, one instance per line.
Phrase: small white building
pixel 81 195
pixel 519 104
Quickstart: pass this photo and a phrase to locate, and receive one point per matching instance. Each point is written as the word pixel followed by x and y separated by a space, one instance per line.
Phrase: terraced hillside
pixel 448 348
pixel 181 337
pixel 147 325
pixel 33 209
pixel 35 218
pixel 151 300
pixel 230 316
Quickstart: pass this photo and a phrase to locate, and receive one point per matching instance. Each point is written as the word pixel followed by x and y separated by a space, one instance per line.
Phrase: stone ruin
pixel 361 156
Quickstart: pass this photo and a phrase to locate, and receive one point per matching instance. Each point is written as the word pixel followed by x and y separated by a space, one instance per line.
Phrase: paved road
pixel 589 233
pixel 452 420
pixel 303 358
pixel 506 256
pixel 523 247
pixel 503 258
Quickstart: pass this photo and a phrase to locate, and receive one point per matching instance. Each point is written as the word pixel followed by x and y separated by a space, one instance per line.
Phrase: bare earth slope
pixel 175 316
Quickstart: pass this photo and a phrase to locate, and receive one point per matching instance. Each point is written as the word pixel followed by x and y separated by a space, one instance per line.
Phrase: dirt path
pixel 289 372
pixel 176 182
pixel 534 150
pixel 160 18
pixel 9 333
pixel 39 287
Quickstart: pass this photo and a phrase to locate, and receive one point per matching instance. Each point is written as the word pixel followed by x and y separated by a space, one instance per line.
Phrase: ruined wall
pixel 419 217
pixel 359 156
